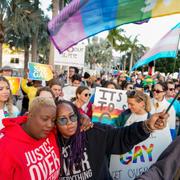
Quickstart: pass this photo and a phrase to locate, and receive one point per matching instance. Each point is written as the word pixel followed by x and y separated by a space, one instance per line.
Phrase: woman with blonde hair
pixel 7 109
pixel 139 109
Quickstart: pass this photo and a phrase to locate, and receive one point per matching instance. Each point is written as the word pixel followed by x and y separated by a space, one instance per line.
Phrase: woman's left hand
pixel 85 122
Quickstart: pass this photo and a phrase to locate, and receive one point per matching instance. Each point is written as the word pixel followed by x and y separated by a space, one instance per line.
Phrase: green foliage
pixel 168 65
pixel 24 21
pixel 130 47
pixel 98 51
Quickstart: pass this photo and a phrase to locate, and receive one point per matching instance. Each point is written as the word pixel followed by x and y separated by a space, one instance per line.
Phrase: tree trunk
pixel 34 49
pixel 34 43
pixel 1 41
pixel 124 68
pixel 91 65
pixel 55 9
pixel 26 56
pixel 1 54
pixel 131 60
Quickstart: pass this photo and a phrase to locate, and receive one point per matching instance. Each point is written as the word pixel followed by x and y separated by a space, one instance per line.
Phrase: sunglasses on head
pixel 64 120
pixel 86 95
pixel 133 94
pixel 171 89
pixel 157 91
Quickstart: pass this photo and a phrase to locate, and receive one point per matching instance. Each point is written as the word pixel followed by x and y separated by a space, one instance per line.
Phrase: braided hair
pixel 77 141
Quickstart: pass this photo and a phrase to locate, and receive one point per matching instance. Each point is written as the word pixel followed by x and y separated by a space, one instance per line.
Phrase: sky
pixel 148 33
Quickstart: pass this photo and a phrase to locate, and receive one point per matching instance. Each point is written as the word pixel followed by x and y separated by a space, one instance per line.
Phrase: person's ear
pixel 78 95
pixel 142 104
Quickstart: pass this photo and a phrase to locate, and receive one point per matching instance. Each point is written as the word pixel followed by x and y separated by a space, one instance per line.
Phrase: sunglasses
pixel 133 94
pixel 157 91
pixel 64 120
pixel 171 89
pixel 86 95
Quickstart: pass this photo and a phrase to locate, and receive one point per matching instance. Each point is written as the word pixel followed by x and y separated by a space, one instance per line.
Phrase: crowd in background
pixel 146 95
pixel 161 89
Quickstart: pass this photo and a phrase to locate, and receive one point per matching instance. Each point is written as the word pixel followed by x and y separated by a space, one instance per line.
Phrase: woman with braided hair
pixel 84 155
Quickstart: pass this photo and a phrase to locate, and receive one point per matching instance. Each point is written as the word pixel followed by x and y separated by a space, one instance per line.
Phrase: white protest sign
pixel 141 157
pixel 69 92
pixel 74 56
pixel 109 103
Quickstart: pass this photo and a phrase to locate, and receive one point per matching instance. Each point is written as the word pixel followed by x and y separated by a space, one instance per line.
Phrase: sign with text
pixel 14 84
pixel 141 157
pixel 69 92
pixel 40 72
pixel 74 56
pixel 108 105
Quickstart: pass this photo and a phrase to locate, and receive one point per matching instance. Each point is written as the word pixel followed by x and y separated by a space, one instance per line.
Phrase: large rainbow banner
pixel 84 18
pixel 166 47
pixel 132 164
pixel 108 105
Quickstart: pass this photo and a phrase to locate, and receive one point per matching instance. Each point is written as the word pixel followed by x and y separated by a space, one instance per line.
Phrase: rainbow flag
pixel 84 18
pixel 166 47
pixel 104 116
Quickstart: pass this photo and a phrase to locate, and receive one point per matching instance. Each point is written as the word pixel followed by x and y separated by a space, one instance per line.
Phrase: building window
pixel 14 60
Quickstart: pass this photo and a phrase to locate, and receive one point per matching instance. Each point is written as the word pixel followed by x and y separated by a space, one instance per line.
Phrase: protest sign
pixel 14 84
pixel 74 56
pixel 109 103
pixel 141 157
pixel 69 92
pixel 40 72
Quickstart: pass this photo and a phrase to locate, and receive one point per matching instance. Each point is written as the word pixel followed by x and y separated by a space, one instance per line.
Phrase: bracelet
pixel 146 128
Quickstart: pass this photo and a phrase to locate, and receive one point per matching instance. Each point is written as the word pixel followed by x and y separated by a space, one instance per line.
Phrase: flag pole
pixel 177 54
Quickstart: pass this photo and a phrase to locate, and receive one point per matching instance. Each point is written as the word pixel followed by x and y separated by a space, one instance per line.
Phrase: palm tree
pixel 4 4
pixel 133 47
pixel 117 39
pixel 119 42
pixel 126 45
pixel 55 9
pixel 136 50
pixel 36 14
pixel 43 42
pixel 57 5
pixel 98 51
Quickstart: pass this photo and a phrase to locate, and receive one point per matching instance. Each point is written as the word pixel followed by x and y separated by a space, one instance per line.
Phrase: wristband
pixel 146 128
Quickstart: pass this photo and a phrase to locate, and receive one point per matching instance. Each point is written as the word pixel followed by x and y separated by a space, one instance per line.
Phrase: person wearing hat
pixel 7 71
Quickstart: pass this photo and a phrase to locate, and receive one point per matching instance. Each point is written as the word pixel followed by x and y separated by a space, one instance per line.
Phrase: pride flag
pixel 84 18
pixel 166 47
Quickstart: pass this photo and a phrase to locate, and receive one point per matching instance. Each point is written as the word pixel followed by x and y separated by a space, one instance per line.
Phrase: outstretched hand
pixel 85 122
pixel 157 121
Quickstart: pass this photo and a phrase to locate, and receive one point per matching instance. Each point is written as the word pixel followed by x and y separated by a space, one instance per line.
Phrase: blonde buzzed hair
pixel 39 102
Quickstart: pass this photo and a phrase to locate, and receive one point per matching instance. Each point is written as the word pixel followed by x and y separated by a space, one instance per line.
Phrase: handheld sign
pixel 133 163
pixel 14 84
pixel 40 72
pixel 108 105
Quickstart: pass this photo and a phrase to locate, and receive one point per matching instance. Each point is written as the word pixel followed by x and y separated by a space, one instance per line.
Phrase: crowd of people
pixel 46 136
